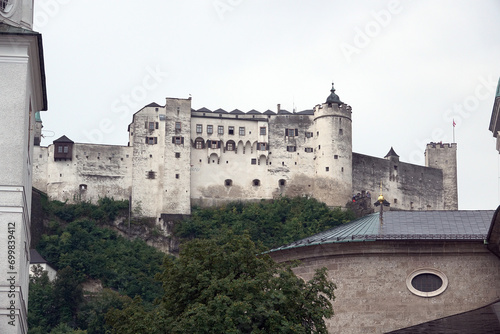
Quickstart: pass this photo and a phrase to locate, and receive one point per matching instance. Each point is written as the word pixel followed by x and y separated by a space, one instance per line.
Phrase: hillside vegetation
pixel 135 277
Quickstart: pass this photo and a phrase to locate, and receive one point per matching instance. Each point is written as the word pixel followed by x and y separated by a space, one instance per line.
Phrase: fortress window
pixel 261 146
pixel 151 125
pixel 341 132
pixel 228 183
pixel 263 131
pixel 83 187
pixel 319 147
pixel 308 149
pixel 177 126
pixel 242 130
pixel 291 148
pixel 163 117
pixel 214 144
pixel 151 140
pixel 177 154
pixel 230 130
pixel 177 176
pixel 230 145
pixel 395 201
pixel 254 161
pixel 317 133
pixel 178 140
pixel 256 182
pixel 309 134
pixel 395 167
pixel 199 128
pixel 327 169
pixel 220 129
pixel 342 169
pixel 335 156
pixel 156 109
pixel 291 132
pixel 282 183
pixel 198 143
pixel 151 175
pixel 210 129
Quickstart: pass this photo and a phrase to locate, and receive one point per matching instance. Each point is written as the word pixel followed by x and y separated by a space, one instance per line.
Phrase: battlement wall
pixel 405 186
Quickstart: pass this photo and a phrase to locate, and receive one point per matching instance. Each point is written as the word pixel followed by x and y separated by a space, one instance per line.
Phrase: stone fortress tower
pixel 22 94
pixel 333 153
pixel 178 156
pixel 444 157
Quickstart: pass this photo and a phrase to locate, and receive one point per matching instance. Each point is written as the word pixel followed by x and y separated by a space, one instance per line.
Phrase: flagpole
pixel 454 131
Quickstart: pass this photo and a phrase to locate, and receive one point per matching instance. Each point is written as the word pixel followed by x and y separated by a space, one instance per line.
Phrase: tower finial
pixel 333 98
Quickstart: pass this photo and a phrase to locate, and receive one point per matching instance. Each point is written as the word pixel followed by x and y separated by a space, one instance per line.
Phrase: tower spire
pixel 333 98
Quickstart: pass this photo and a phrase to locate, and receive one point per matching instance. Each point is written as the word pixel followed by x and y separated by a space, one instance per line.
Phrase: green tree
pixel 222 285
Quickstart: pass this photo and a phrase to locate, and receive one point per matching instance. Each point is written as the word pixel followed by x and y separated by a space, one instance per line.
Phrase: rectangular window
pixel 151 174
pixel 242 130
pixel 327 169
pixel 199 128
pixel 214 144
pixel 151 140
pixel 220 129
pixel 177 154
pixel 341 132
pixel 151 126
pixel 291 148
pixel 230 130
pixel 59 149
pixel 335 156
pixel 65 149
pixel 263 131
pixel 230 146
pixel 309 134
pixel 177 126
pixel 308 149
pixel 261 146
pixel 178 140
pixel 198 144
pixel 210 129
pixel 291 132
pixel 254 161
pixel 177 176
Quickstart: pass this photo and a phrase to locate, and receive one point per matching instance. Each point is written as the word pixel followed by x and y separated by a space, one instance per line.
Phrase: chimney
pixel 279 108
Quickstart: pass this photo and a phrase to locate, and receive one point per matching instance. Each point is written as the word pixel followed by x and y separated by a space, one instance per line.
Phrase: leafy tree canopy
pixel 223 285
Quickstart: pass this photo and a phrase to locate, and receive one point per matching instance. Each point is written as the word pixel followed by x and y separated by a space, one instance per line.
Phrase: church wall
pixel 405 186
pixel 372 294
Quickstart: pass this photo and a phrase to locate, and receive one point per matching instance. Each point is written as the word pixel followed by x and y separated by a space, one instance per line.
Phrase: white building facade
pixel 22 92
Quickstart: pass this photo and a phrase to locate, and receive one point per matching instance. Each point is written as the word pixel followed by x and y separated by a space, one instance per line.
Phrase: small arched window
pixel 282 182
pixel 199 143
pixel 256 182
pixel 230 145
pixel 228 183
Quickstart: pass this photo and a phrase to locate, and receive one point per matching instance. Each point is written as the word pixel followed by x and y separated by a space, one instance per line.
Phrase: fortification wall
pixel 94 171
pixel 405 186
pixel 444 157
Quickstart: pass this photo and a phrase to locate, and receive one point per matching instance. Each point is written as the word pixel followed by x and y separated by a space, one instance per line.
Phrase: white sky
pixel 407 68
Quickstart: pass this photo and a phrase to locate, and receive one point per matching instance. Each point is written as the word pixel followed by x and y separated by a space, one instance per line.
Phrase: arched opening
pixel 256 183
pixel 228 182
pixel 282 182
pixel 199 143
pixel 230 145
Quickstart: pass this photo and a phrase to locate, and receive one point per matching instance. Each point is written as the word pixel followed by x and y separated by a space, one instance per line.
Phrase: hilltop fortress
pixel 178 157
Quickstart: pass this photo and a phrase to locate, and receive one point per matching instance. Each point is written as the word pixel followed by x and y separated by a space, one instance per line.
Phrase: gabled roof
pixel 269 112
pixel 63 139
pixel 36 258
pixel 220 111
pixel 236 111
pixel 204 110
pixel 283 111
pixel 253 111
pixel 391 153
pixel 153 105
pixel 406 225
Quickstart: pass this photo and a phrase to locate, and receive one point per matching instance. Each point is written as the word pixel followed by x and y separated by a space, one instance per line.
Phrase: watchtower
pixel 333 151
pixel 444 156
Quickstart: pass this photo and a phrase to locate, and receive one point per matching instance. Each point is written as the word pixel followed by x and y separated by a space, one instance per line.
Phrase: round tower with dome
pixel 333 151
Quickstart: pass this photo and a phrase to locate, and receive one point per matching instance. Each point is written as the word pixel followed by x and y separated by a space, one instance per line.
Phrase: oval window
pixel 427 282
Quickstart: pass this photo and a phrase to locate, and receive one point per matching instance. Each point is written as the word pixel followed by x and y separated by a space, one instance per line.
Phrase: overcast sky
pixel 407 68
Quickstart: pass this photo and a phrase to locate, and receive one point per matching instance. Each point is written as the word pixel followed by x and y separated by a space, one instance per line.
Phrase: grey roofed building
pixel 411 225
pixel 376 265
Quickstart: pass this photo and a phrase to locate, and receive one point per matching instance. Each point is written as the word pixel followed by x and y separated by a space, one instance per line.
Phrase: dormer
pixel 63 148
